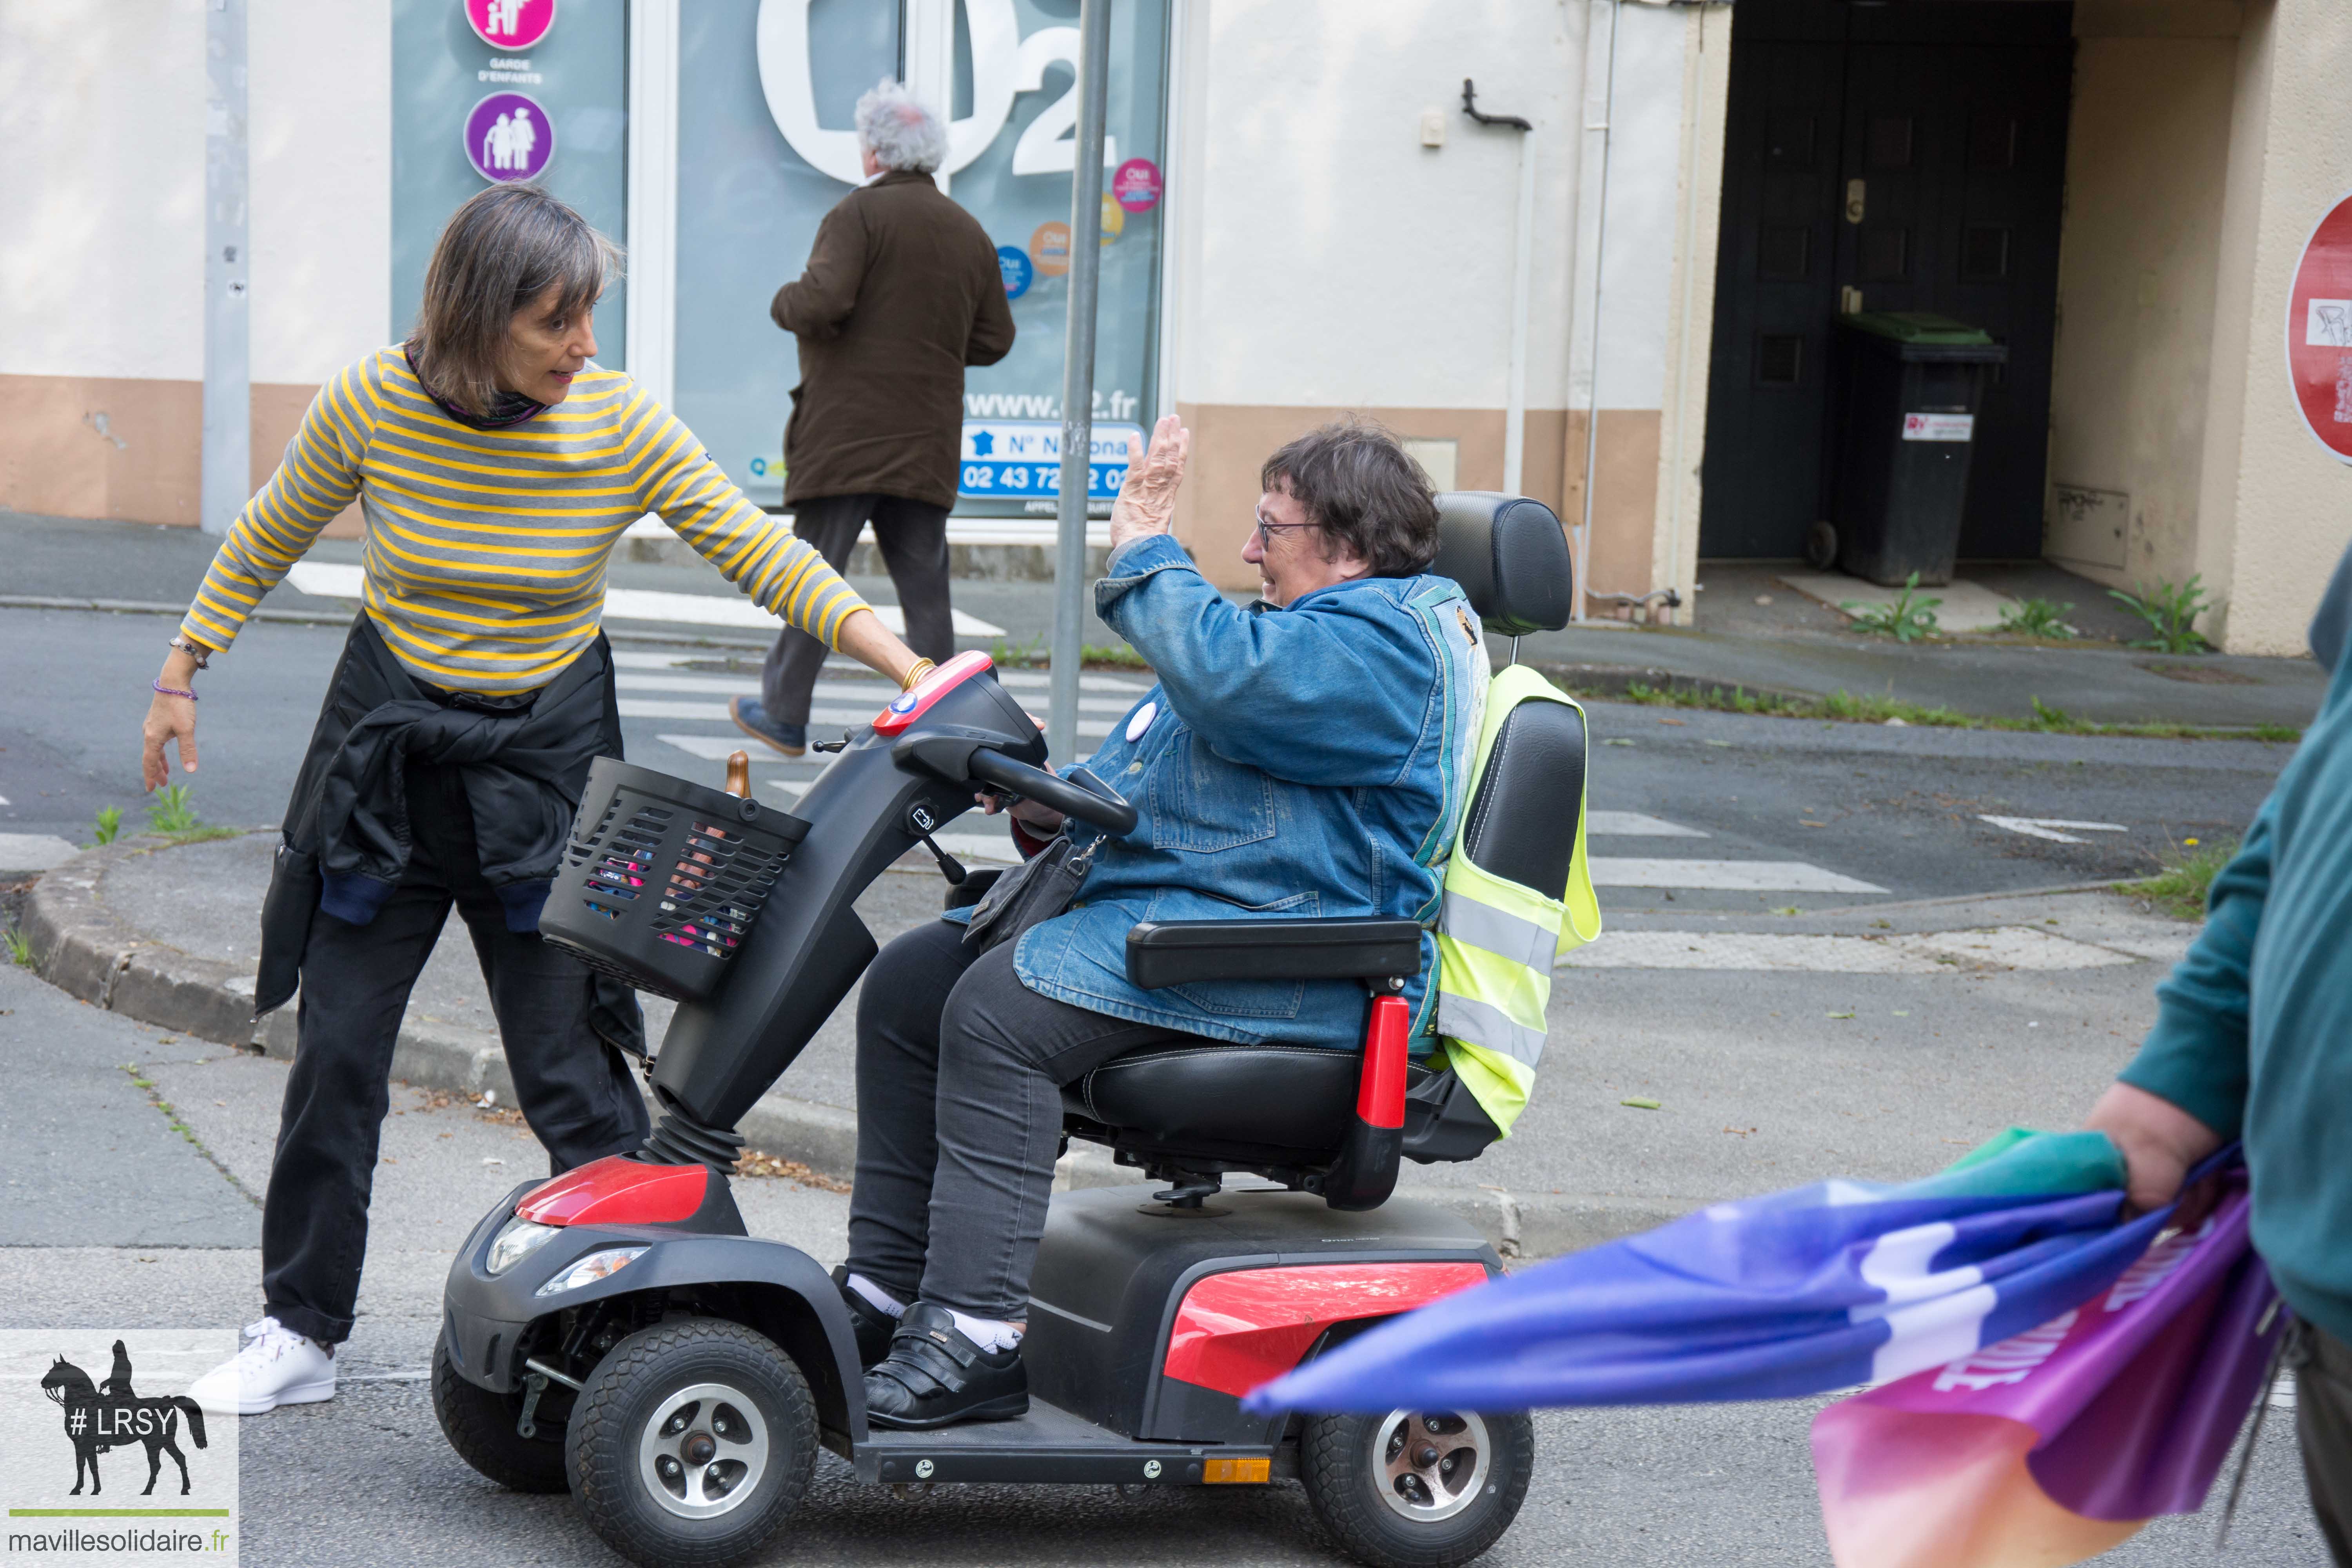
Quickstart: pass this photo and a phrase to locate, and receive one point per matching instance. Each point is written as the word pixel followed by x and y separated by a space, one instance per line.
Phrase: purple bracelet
pixel 174 691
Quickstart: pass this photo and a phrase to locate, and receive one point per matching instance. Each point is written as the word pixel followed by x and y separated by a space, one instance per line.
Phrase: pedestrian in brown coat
pixel 903 289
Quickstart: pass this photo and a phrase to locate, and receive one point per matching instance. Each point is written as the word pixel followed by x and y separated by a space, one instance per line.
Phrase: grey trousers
pixel 913 537
pixel 2322 1423
pixel 959 1069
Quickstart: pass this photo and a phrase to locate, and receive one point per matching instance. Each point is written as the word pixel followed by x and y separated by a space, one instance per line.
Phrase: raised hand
pixel 1146 501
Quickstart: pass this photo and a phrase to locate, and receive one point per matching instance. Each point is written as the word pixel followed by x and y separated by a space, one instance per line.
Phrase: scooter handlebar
pixel 1106 811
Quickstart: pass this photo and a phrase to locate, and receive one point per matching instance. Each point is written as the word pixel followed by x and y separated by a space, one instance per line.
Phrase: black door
pixel 1906 157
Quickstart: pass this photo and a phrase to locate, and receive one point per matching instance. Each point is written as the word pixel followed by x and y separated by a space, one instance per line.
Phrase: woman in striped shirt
pixel 495 466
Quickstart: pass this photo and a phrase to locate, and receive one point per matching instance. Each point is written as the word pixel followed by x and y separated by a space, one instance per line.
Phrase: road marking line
pixel 1934 953
pixel 1732 876
pixel 336 580
pixel 1635 825
pixel 2047 827
pixel 878 692
pixel 642 708
pixel 719 748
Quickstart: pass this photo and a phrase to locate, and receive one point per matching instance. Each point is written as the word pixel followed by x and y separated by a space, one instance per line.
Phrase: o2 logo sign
pixel 1004 66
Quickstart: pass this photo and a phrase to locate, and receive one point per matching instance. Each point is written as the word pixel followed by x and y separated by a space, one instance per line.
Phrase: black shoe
pixel 935 1377
pixel 870 1324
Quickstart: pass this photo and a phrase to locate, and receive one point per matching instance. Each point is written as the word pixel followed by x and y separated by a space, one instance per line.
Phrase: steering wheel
pixel 1106 811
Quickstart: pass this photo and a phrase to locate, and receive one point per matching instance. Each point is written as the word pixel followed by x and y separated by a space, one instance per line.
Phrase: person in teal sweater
pixel 2253 1041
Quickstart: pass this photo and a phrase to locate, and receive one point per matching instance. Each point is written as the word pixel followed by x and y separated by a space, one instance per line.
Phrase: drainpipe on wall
pixel 226 476
pixel 1515 395
pixel 1583 540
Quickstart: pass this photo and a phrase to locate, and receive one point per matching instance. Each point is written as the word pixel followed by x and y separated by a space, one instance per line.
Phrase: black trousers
pixel 2323 1420
pixel 913 537
pixel 574 1089
pixel 959 1069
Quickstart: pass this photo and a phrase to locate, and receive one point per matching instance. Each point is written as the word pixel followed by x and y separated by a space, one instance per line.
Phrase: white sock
pixel 987 1333
pixel 881 1299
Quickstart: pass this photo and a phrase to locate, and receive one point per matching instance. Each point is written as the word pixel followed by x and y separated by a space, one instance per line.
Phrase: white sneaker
pixel 278 1366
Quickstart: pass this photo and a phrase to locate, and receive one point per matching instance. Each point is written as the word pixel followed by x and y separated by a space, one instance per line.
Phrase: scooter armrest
pixel 1357 947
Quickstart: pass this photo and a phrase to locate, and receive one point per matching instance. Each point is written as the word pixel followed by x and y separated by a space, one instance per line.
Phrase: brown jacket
pixel 903 289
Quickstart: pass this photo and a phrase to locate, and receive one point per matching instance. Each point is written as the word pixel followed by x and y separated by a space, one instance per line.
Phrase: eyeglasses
pixel 1266 530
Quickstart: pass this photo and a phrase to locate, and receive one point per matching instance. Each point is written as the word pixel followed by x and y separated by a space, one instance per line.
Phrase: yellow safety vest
pixel 1496 940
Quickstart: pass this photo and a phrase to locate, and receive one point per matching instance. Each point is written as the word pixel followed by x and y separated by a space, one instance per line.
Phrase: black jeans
pixel 2323 1420
pixel 574 1089
pixel 959 1069
pixel 913 539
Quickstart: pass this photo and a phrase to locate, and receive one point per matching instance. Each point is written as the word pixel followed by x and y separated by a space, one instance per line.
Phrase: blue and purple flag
pixel 1821 1288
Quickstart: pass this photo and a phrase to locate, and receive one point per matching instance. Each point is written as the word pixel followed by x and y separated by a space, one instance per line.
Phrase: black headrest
pixel 1510 555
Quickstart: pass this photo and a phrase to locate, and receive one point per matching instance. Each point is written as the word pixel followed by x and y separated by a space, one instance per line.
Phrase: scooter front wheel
pixel 480 1425
pixel 690 1443
pixel 1414 1489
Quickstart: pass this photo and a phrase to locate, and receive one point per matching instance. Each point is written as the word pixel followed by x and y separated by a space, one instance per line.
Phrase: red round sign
pixel 2319 330
pixel 510 23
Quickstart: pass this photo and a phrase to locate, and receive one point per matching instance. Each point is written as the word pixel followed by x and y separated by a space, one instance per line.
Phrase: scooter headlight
pixel 594 1266
pixel 517 1240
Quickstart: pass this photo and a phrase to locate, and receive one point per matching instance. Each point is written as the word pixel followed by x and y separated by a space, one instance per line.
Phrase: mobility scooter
pixel 616 1331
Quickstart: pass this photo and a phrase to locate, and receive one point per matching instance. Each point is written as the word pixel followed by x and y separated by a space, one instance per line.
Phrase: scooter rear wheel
pixel 481 1426
pixel 690 1443
pixel 1415 1489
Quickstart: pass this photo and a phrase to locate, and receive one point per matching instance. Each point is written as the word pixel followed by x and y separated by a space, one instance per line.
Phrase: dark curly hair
pixel 1357 482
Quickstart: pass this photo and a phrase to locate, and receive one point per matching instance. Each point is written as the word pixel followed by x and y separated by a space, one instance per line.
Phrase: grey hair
pixel 894 125
pixel 497 253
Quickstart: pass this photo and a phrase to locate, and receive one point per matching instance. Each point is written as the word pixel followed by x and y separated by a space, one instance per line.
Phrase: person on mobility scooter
pixel 1300 778
pixel 1307 756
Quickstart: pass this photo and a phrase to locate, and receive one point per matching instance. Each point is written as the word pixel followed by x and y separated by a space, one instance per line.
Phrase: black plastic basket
pixel 662 878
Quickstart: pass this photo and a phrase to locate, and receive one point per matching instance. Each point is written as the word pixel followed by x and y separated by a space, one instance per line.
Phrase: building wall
pixel 2147 170
pixel 101 330
pixel 1327 262
pixel 2279 505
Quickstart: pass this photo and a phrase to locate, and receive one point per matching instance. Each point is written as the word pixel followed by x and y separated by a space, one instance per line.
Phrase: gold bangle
pixel 915 674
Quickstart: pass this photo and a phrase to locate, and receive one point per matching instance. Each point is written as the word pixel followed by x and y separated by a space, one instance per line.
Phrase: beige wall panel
pixel 1217 506
pixel 1625 504
pixel 2148 161
pixel 2288 500
pixel 123 447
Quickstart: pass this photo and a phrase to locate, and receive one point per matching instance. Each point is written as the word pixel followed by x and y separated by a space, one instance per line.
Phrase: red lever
pixel 1380 1094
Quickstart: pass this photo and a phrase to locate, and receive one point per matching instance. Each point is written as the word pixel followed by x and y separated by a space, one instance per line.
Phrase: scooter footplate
pixel 1049 1445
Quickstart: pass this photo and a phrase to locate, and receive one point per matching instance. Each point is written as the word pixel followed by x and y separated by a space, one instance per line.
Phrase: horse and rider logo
pixel 111 1415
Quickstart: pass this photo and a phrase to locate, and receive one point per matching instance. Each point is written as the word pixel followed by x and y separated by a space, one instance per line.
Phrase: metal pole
pixel 1599 260
pixel 1078 381
pixel 227 473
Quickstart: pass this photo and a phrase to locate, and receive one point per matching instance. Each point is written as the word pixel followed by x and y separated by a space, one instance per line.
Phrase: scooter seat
pixel 1219 1094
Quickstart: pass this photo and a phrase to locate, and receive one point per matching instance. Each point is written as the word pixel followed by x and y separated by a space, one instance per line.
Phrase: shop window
pixel 767 147
pixel 547 104
pixel 1780 359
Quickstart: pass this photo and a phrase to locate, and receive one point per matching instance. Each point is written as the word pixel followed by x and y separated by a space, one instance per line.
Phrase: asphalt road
pixel 1764 1079
pixel 1901 810
pixel 368 1480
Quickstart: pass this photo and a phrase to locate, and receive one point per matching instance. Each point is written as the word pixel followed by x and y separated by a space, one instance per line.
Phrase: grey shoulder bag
pixel 1034 891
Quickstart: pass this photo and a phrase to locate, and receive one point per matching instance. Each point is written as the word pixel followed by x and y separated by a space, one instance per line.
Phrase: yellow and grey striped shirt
pixel 485 549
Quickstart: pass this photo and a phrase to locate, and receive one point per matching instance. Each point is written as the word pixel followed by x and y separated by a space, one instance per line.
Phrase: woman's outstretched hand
pixel 1146 501
pixel 170 719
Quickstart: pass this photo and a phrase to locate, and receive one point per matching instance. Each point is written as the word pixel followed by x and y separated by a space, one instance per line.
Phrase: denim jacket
pixel 1310 761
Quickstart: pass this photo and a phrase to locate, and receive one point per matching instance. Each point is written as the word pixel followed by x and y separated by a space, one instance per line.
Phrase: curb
pixel 81 948
pixel 1612 680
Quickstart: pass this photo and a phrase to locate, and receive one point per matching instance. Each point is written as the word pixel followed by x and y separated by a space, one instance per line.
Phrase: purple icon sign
pixel 509 137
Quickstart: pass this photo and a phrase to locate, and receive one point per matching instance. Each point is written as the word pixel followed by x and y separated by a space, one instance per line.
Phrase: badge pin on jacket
pixel 1141 722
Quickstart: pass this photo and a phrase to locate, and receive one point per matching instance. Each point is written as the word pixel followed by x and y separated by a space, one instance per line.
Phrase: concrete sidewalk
pixel 1786 644
pixel 1876 1044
